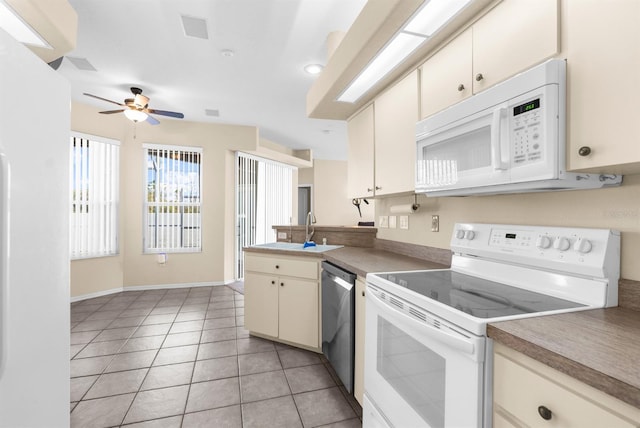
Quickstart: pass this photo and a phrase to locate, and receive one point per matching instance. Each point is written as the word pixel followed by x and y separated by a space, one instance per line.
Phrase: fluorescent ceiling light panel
pixel 13 24
pixel 401 46
pixel 434 15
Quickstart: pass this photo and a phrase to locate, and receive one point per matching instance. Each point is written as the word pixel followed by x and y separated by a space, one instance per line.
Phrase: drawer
pixel 519 391
pixel 286 266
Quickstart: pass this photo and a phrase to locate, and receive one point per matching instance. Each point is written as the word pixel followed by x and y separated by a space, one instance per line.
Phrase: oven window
pixel 413 370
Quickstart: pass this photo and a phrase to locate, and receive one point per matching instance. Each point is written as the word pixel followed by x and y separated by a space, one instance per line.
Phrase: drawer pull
pixel 545 413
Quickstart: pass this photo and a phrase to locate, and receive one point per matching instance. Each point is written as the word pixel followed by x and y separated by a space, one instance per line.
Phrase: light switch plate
pixel 383 221
pixel 392 222
pixel 435 223
pixel 404 222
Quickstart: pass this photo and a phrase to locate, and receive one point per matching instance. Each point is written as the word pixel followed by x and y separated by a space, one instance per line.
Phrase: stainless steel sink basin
pixel 294 246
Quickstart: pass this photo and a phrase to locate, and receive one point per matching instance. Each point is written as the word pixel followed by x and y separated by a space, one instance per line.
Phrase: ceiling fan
pixel 137 108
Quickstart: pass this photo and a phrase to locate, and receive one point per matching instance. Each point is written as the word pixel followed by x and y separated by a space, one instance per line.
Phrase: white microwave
pixel 507 139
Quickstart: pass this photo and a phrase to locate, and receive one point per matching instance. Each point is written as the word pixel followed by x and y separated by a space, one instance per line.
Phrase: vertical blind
pixel 94 196
pixel 264 197
pixel 173 220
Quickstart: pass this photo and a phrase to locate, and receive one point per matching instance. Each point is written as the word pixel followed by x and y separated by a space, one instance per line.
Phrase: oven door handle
pixel 434 333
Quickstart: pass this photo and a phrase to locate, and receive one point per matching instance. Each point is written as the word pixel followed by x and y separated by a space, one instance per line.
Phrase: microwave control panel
pixel 527 132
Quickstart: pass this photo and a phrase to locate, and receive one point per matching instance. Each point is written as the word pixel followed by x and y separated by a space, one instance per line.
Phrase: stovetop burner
pixel 476 296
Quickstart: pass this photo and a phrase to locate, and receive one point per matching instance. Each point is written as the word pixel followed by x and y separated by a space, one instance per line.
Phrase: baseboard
pixel 96 294
pixel 148 287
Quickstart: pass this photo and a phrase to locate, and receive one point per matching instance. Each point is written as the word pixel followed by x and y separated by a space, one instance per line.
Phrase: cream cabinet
pixel 603 129
pixel 527 393
pixel 510 38
pixel 358 375
pixel 360 156
pixel 382 143
pixel 282 298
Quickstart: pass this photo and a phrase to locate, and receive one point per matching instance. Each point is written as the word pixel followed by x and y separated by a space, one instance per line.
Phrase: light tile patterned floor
pixel 181 358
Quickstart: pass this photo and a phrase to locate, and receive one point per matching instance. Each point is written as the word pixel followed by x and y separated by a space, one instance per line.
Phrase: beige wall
pixel 133 268
pixel 331 204
pixel 615 208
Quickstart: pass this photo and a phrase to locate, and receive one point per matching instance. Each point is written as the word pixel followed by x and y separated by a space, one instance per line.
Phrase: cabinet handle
pixel 545 413
pixel 479 77
pixel 460 87
pixel 282 284
pixel 584 151
pixel 378 188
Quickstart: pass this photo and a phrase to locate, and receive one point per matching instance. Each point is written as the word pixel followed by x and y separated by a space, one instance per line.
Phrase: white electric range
pixel 427 358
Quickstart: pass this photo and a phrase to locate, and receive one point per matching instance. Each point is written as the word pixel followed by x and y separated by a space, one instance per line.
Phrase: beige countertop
pixel 599 347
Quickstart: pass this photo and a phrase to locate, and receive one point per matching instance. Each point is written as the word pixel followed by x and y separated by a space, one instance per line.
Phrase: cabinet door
pixel 396 114
pixel 360 161
pixel 261 303
pixel 358 375
pixel 299 302
pixel 445 78
pixel 512 37
pixel 603 69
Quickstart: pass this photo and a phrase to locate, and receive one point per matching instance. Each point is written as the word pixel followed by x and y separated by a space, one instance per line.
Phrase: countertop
pixel 599 347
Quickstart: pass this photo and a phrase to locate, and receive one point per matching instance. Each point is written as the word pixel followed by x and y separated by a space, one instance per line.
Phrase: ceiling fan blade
pixel 103 99
pixel 152 120
pixel 166 113
pixel 111 111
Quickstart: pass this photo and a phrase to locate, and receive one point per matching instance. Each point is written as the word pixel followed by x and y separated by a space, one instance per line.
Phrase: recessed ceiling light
pixel 313 68
pixel 227 52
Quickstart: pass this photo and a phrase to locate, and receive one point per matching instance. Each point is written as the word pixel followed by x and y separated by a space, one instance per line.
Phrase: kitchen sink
pixel 294 246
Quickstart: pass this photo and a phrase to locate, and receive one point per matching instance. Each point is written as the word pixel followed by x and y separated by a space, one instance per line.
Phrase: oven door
pixel 419 370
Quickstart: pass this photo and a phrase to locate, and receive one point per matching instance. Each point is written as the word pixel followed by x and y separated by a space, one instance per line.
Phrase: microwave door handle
pixel 496 143
pixel 448 339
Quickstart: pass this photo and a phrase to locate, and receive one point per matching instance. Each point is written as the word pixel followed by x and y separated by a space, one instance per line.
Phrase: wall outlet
pixel 383 221
pixel 435 223
pixel 392 222
pixel 404 222
pixel 282 235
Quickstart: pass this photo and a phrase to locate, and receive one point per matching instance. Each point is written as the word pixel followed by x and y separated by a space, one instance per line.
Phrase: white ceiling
pixel 142 43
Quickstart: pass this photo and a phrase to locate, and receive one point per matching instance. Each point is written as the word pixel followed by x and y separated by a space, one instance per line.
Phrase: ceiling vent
pixel 213 113
pixel 81 63
pixel 194 27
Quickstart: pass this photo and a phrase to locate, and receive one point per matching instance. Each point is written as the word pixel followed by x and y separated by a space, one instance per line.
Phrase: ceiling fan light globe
pixel 135 115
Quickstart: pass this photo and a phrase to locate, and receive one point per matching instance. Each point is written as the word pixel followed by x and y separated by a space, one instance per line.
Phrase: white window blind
pixel 94 196
pixel 264 198
pixel 173 220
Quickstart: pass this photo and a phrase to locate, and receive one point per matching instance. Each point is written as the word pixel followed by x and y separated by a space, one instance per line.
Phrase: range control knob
pixel 543 242
pixel 469 234
pixel 582 246
pixel 460 234
pixel 561 243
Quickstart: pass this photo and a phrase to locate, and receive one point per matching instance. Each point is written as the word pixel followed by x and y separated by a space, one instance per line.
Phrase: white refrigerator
pixel 34 266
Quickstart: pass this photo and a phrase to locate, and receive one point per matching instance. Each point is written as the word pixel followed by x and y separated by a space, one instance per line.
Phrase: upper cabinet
pixel 603 130
pixel 510 38
pixel 382 143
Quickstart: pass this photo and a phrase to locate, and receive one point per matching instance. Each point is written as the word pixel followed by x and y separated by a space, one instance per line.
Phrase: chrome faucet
pixel 311 219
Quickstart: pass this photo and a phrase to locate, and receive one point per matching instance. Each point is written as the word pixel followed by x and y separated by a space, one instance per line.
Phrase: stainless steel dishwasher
pixel 338 320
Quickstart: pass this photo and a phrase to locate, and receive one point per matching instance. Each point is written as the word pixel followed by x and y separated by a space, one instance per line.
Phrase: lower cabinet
pixel 282 306
pixel 528 393
pixel 358 375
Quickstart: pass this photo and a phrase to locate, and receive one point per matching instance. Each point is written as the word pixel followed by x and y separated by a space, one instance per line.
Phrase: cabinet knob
pixel 378 188
pixel 277 266
pixel 460 87
pixel 273 282
pixel 363 293
pixel 369 189
pixel 479 77
pixel 545 413
pixel 282 284
pixel 584 151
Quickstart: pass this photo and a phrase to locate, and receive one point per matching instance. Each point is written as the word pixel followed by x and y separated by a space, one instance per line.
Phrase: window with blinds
pixel 94 196
pixel 173 179
pixel 264 198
